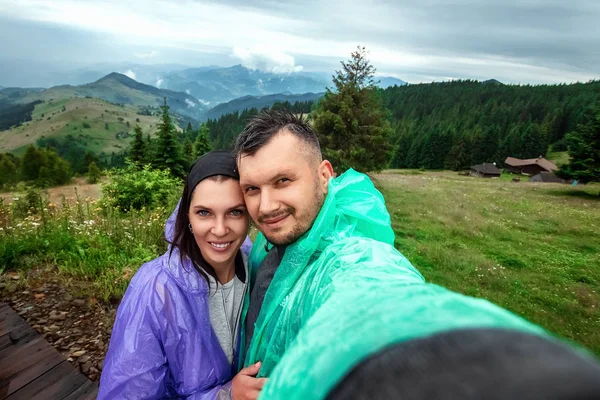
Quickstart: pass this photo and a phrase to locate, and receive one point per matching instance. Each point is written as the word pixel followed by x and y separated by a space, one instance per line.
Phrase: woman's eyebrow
pixel 200 206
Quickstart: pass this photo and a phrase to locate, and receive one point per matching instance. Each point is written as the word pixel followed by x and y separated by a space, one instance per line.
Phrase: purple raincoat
pixel 162 343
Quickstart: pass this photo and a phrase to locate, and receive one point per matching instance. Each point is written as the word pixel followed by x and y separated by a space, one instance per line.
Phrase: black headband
pixel 218 162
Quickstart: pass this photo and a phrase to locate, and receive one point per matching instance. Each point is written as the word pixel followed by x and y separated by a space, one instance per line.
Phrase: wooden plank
pixel 22 334
pixel 30 368
pixel 4 309
pixel 57 383
pixel 27 370
pixel 87 391
pixel 9 323
pixel 13 353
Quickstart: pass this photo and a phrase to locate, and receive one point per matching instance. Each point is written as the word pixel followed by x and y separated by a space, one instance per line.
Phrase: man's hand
pixel 245 385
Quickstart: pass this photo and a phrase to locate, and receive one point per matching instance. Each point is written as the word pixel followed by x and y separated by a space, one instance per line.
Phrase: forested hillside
pixel 457 124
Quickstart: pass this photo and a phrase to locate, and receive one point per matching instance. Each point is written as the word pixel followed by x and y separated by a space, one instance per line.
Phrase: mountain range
pixel 102 113
pixel 210 85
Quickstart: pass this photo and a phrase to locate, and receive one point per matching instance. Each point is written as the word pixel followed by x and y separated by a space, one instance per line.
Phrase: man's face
pixel 283 187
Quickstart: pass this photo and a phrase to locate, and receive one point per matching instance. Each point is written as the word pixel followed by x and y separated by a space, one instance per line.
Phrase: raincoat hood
pixel 162 344
pixel 342 292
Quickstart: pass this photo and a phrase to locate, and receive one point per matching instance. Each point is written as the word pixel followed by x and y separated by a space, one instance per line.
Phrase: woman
pixel 176 331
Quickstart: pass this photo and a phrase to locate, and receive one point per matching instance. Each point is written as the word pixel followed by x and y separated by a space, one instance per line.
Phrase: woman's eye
pixel 237 213
pixel 202 213
pixel 283 180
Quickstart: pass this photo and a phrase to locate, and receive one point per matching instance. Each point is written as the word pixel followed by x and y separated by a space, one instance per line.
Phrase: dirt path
pixel 79 186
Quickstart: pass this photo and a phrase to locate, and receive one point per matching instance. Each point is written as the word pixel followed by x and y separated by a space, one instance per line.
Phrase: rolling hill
pixel 114 88
pixel 96 125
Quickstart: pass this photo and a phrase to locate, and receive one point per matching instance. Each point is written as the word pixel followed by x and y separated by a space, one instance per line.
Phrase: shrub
pixel 94 174
pixel 130 188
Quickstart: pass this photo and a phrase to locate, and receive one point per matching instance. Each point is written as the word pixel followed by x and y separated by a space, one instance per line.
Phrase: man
pixel 336 311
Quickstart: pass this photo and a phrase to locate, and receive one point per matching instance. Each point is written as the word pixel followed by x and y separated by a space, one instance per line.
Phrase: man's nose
pixel 267 204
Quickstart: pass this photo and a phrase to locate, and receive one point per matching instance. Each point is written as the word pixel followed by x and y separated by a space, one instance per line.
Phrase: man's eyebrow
pixel 273 178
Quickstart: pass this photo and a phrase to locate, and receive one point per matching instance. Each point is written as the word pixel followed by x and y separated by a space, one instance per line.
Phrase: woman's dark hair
pixel 184 240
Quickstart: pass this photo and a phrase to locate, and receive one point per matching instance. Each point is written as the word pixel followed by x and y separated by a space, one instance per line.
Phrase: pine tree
pixel 9 173
pixel 94 174
pixel 168 153
pixel 138 147
pixel 202 144
pixel 584 149
pixel 189 131
pixel 188 151
pixel 150 150
pixel 351 121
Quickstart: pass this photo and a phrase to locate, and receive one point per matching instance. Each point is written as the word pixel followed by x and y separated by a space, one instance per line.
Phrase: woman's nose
pixel 220 227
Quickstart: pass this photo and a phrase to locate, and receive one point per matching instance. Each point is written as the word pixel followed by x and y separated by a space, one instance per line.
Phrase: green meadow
pixel 532 248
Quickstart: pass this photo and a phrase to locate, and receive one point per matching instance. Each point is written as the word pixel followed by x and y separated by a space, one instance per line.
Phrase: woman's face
pixel 219 220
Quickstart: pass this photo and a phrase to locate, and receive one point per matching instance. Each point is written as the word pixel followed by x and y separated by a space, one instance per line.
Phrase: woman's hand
pixel 245 385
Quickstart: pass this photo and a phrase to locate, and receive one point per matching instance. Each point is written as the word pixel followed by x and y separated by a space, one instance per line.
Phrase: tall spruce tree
pixel 584 149
pixel 138 147
pixel 189 131
pixel 168 152
pixel 351 121
pixel 202 144
pixel 188 151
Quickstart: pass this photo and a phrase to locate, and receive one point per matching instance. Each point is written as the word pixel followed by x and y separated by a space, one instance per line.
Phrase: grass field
pixel 532 248
pixel 86 120
pixel 529 247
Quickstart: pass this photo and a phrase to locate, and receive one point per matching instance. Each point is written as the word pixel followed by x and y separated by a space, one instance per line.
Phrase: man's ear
pixel 325 173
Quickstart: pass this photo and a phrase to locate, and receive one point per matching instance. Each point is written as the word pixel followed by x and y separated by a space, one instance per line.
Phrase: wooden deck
pixel 30 368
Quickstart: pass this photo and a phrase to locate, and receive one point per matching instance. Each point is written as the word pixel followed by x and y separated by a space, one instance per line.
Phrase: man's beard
pixel 303 224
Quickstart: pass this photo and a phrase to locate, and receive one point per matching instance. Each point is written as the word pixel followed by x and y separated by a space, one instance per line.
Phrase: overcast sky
pixel 524 41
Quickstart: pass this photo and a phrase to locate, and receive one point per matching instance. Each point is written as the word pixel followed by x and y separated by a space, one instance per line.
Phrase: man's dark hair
pixel 267 124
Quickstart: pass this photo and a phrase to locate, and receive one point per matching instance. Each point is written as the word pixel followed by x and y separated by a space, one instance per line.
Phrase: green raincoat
pixel 343 292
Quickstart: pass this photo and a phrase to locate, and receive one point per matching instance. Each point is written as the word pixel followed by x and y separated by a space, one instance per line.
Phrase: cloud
pixel 190 103
pixel 150 54
pixel 266 59
pixel 129 73
pixel 514 41
pixel 158 83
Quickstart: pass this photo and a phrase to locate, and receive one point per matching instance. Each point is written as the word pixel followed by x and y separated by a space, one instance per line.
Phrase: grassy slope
pixel 532 248
pixel 57 123
pixel 110 90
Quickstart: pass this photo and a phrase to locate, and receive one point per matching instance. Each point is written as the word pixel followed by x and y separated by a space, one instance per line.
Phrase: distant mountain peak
pixel 492 82
pixel 115 76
